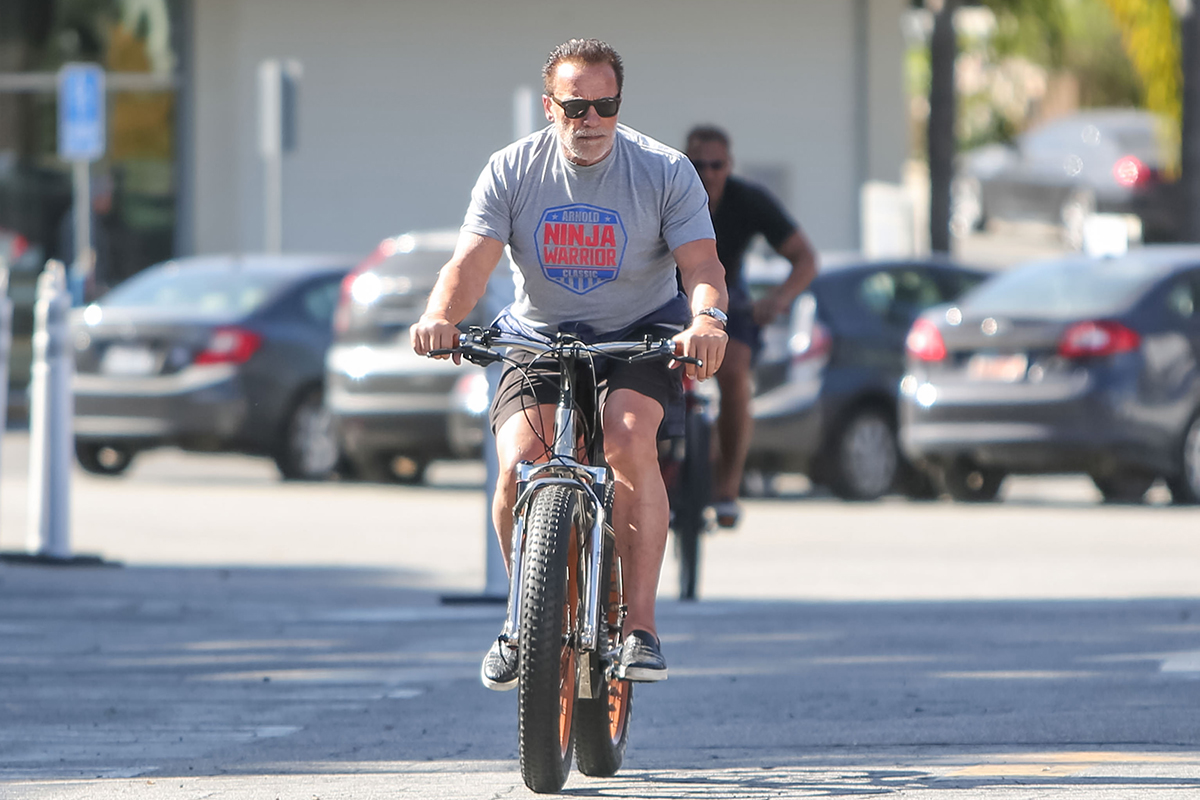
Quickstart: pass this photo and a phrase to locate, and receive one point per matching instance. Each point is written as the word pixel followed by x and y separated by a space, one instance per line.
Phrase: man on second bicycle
pixel 596 216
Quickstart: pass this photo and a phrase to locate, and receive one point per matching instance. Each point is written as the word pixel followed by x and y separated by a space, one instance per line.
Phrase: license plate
pixel 128 360
pixel 1005 369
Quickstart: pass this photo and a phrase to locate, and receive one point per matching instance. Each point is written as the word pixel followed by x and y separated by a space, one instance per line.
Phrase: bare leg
pixel 641 513
pixel 734 423
pixel 521 437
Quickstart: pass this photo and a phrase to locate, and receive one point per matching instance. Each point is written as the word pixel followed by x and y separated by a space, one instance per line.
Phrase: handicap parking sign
pixel 81 117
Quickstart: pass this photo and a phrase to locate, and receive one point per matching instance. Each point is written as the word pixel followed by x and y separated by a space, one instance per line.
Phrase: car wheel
pixel 865 457
pixel 390 468
pixel 915 483
pixel 968 482
pixel 1124 486
pixel 308 449
pixel 1079 205
pixel 99 458
pixel 1185 485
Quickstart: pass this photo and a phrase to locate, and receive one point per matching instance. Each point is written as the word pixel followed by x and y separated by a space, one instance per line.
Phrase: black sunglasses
pixel 576 108
pixel 703 165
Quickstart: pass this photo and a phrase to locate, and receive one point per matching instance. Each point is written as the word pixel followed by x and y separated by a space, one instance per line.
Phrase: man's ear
pixel 547 106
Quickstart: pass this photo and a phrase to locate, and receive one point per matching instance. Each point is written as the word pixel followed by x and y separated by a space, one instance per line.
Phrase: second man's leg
pixel 734 423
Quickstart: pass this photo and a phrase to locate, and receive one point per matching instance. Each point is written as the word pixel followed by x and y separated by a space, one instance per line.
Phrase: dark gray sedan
pixel 211 353
pixel 1073 365
pixel 825 401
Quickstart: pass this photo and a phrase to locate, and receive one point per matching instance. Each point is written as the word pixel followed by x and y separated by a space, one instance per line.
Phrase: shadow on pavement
pixel 351 676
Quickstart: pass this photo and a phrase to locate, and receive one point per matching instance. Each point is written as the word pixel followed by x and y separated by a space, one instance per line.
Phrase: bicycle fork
pixel 591 485
pixel 590 493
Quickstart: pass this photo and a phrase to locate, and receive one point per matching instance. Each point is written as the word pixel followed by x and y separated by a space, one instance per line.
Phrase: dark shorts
pixel 537 384
pixel 742 327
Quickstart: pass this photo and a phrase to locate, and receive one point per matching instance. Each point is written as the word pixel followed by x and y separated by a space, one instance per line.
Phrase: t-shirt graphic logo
pixel 580 247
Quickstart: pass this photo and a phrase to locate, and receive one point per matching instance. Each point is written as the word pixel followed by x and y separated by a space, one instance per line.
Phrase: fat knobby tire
pixel 602 723
pixel 546 694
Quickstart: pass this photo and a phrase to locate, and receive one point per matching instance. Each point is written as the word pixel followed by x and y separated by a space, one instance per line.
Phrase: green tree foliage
pixel 1150 35
pixel 1123 52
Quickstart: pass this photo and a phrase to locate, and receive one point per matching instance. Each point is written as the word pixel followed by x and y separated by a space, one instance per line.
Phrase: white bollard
pixel 51 408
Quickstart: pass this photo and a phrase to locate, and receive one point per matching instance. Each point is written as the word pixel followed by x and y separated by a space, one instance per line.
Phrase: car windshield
pixel 196 291
pixel 1062 289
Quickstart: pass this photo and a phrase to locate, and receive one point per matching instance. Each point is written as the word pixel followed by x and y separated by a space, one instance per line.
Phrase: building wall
pixel 402 102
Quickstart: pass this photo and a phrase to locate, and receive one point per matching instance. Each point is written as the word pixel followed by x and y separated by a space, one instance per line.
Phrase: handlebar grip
pixel 689 360
pixel 443 351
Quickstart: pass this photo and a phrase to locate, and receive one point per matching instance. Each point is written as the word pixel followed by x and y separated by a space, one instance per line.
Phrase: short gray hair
pixel 582 51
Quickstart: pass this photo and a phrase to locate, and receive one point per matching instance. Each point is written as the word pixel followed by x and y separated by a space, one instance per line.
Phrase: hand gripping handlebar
pixel 479 346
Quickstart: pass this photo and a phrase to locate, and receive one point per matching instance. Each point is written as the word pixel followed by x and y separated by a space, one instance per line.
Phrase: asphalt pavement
pixel 254 639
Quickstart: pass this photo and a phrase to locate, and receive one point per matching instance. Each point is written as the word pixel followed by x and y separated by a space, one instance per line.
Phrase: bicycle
pixel 565 603
pixel 686 465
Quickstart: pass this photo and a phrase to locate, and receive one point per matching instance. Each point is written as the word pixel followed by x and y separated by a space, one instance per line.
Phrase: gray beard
pixel 571 142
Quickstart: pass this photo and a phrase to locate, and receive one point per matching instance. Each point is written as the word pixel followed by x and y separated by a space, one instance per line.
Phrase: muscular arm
pixel 460 285
pixel 796 249
pixel 704 281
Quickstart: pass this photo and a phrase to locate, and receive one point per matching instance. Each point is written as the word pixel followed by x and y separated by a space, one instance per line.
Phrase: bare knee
pixel 631 434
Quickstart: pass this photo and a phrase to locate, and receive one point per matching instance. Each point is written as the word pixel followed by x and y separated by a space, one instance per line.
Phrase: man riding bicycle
pixel 596 217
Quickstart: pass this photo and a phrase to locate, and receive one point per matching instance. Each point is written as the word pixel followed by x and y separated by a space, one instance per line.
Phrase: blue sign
pixel 81 117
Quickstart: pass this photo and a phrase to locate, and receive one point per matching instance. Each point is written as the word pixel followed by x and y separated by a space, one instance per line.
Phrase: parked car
pixel 826 381
pixel 390 406
pixel 1070 365
pixel 1099 160
pixel 211 353
pixel 24 260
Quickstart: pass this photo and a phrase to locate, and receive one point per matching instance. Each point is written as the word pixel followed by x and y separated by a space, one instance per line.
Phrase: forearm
pixel 454 294
pixel 797 250
pixel 704 284
pixel 462 282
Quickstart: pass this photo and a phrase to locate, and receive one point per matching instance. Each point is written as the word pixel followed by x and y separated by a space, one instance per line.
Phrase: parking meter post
pixel 82 190
pixel 50 419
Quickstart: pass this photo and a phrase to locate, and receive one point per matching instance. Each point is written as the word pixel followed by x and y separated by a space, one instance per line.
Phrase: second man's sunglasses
pixel 576 108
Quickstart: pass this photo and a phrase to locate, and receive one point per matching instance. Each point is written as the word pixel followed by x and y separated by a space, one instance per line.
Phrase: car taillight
pixel 1090 339
pixel 229 346
pixel 813 343
pixel 341 315
pixel 1130 171
pixel 925 341
pixel 17 247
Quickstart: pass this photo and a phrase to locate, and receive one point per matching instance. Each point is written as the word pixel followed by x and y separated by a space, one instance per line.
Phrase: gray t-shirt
pixel 590 244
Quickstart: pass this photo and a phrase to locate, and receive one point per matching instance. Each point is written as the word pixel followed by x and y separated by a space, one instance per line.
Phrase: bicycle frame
pixel 591 482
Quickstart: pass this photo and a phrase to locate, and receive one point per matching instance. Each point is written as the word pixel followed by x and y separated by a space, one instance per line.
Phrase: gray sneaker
pixel 499 670
pixel 641 659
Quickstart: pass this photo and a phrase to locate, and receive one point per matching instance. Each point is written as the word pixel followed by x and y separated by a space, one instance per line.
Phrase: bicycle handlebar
pixel 479 344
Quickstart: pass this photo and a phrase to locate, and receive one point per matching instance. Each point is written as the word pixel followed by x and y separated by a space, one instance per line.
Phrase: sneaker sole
pixel 643 675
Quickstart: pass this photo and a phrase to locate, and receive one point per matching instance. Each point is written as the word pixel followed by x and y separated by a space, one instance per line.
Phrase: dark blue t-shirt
pixel 746 209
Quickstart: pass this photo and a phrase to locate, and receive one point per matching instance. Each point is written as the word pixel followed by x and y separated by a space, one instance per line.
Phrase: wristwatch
pixel 716 313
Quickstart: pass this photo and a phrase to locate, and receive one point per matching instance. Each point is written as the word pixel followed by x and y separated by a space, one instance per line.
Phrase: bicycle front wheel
pixel 549 626
pixel 602 723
